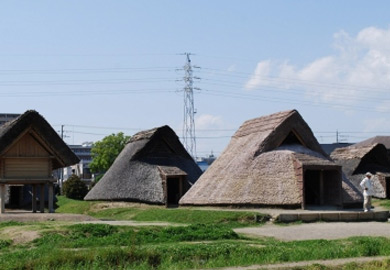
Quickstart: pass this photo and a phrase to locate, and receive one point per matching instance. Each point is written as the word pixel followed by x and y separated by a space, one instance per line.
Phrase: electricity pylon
pixel 189 139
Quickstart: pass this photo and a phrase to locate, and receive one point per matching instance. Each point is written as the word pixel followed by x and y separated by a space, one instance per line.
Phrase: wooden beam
pixel 2 198
pixel 51 198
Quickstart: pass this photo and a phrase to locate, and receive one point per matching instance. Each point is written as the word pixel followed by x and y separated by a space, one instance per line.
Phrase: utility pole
pixel 189 139
pixel 61 170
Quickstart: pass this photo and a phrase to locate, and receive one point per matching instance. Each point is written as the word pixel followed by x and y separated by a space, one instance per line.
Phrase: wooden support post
pixel 42 198
pixel 51 198
pixel 2 198
pixel 34 198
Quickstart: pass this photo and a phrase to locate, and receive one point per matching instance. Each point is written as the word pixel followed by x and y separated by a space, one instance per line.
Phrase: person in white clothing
pixel 366 185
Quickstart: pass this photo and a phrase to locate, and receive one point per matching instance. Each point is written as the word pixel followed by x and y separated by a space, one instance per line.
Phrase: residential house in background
pixel 81 169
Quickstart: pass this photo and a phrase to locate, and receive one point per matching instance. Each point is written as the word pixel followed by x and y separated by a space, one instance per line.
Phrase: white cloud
pixel 262 70
pixel 356 75
pixel 208 121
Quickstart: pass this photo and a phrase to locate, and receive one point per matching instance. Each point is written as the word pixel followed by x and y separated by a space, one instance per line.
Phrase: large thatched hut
pixel 358 159
pixel 273 160
pixel 153 168
pixel 30 149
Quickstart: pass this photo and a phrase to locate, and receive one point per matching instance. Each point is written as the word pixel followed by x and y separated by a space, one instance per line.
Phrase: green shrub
pixel 74 188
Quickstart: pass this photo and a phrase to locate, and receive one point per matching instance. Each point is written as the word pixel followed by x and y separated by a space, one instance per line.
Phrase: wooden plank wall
pixel 27 158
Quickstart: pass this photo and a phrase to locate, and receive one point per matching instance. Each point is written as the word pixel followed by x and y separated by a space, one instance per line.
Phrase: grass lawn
pixel 206 240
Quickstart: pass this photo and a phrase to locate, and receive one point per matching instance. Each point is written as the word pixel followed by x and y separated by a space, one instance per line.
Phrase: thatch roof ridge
pixel 145 134
pixel 272 129
pixel 353 151
pixel 385 140
pixel 31 118
pixel 263 123
pixel 164 133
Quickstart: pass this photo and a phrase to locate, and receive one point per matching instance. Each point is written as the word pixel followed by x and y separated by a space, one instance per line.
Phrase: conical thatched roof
pixel 12 130
pixel 139 172
pixel 358 159
pixel 262 164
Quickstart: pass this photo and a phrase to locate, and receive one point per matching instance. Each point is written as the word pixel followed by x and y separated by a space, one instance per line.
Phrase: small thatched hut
pixel 153 168
pixel 30 149
pixel 358 159
pixel 273 160
pixel 385 140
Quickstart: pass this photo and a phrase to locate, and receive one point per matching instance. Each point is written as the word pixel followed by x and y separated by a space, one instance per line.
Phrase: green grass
pixel 66 205
pixel 97 246
pixel 162 214
pixel 10 224
pixel 206 240
pixel 385 203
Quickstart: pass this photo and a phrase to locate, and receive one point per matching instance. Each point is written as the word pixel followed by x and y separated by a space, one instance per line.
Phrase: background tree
pixel 74 188
pixel 104 152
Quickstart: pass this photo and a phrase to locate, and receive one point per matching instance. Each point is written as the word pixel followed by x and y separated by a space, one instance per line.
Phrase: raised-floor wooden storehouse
pixel 30 149
pixel 358 159
pixel 273 160
pixel 154 167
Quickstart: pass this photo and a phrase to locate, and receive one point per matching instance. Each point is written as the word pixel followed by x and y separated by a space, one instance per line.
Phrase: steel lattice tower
pixel 189 139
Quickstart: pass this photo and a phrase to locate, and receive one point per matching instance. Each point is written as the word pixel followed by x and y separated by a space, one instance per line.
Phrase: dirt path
pixel 130 223
pixel 286 266
pixel 330 230
pixel 41 217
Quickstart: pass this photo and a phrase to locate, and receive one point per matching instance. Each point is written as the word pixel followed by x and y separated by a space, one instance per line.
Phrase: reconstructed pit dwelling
pixel 273 160
pixel 154 167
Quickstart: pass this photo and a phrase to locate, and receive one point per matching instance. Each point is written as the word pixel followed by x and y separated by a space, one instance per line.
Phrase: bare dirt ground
pixel 285 266
pixel 25 216
pixel 329 230
pixel 19 235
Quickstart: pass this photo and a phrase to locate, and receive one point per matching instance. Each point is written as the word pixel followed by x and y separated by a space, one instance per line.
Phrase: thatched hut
pixel 273 160
pixel 385 140
pixel 358 159
pixel 30 149
pixel 154 167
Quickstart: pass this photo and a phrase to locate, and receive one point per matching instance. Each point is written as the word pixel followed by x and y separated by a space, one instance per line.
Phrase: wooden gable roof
pixel 33 124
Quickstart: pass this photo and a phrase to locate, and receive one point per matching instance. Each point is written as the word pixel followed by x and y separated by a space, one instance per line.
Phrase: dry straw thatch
pixel 32 120
pixel 360 158
pixel 141 170
pixel 265 164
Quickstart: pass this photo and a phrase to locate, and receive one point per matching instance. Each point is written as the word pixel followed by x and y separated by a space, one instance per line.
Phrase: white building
pixel 82 170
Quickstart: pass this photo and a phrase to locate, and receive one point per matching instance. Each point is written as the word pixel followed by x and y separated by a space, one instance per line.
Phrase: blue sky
pixel 100 67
